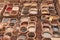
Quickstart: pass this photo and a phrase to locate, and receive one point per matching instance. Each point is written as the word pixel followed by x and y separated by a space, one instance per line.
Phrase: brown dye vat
pixel 56 34
pixel 13 37
pixel 4 24
pixel 45 11
pixel 9 34
pixel 11 24
pixel 51 7
pixel 30 39
pixel 31 35
pixel 14 13
pixel 15 32
pixel 46 38
pixel 59 20
pixel 25 12
pixel 2 28
pixel 32 23
pixel 49 2
pixel 32 18
pixel 24 23
pixel 51 11
pixel 45 22
pixel 54 22
pixel 6 14
pixel 45 17
pixel 46 28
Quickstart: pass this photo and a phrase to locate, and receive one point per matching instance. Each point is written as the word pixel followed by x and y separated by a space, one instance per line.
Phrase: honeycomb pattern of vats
pixel 23 28
pixel 50 23
pixel 29 20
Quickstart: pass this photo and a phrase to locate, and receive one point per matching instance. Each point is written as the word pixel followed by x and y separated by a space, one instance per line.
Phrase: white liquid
pixel 31 29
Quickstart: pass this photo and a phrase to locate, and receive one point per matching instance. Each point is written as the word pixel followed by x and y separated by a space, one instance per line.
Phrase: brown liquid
pixel 46 39
pixel 24 23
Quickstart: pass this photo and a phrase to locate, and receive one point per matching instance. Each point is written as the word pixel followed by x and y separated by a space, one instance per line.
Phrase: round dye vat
pixel 9 9
pixel 46 35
